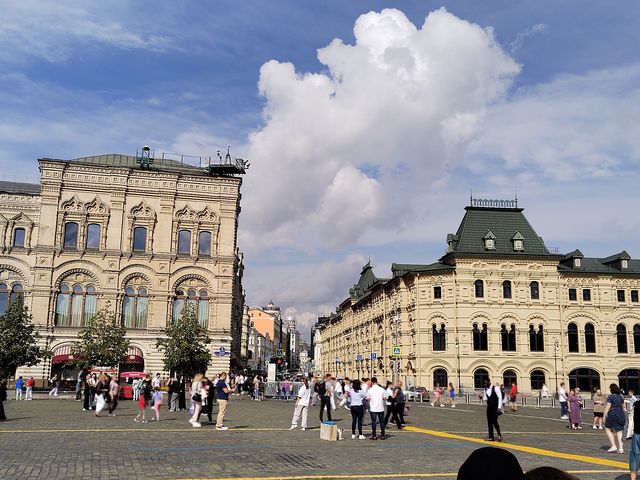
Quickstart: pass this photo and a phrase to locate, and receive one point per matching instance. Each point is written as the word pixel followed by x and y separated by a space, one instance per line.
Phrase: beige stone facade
pixel 508 310
pixel 102 230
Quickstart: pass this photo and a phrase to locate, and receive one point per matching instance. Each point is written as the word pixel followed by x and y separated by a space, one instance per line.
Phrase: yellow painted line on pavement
pixel 522 448
pixel 141 429
pixel 532 433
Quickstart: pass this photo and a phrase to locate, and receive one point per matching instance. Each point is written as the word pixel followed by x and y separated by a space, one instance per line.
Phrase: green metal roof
pixel 503 224
pixel 400 269
pixel 611 265
pixel 130 161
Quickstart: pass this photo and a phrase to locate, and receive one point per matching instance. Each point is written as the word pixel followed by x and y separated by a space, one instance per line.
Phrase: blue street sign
pixel 396 351
pixel 374 355
pixel 358 358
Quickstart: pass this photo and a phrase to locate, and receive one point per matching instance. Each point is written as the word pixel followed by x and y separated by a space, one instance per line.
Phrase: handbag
pixel 197 397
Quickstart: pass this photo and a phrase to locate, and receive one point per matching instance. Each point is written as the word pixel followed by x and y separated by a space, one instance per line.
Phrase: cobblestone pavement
pixel 54 438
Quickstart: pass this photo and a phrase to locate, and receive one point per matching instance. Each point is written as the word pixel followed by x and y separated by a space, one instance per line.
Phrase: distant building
pixel 268 320
pixel 498 305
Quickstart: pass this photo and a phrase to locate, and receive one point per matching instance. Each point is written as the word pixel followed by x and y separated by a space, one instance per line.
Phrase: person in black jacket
pixel 634 457
pixel 493 398
pixel 3 398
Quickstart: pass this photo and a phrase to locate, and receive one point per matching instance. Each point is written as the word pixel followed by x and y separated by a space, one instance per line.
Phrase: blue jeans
pixel 377 417
pixel 563 409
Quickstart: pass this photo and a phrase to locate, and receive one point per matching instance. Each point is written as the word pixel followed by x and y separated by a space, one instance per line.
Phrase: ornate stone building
pixel 497 305
pixel 145 238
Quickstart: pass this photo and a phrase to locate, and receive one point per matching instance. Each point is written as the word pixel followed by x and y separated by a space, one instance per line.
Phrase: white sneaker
pixel 621 451
pixel 196 425
pixel 293 427
pixel 442 404
pixel 191 420
pixel 579 427
pixel 432 404
pixel 362 437
pixel 595 427
pixel 564 417
pixel 303 429
pixel 353 436
pixel 612 449
pixel 222 428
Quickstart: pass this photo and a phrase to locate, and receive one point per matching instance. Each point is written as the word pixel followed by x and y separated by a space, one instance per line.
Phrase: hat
pixel 491 463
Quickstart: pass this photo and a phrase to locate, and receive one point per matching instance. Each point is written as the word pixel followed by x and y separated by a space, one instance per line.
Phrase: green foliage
pixel 18 339
pixel 185 345
pixel 101 342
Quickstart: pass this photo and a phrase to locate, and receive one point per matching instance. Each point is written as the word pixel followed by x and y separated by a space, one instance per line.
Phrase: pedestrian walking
pixel 3 398
pixel 135 388
pixel 513 397
pixel 102 391
pixel 211 399
pixel 19 387
pixel 79 382
pixel 222 396
pixel 301 409
pixel 338 390
pixel 196 398
pixel 55 382
pixel 156 397
pixel 30 384
pixel 493 398
pixel 575 409
pixel 630 406
pixel 345 396
pixel 634 454
pixel 332 398
pixel 598 409
pixel 452 396
pixel 562 398
pixel 389 401
pixel 614 418
pixel 325 392
pixel 156 382
pixel 356 397
pixel 437 392
pixel 114 393
pixel 143 399
pixel 544 393
pixel 398 405
pixel 182 394
pixel 314 391
pixel 172 389
pixel 376 396
pixel 286 386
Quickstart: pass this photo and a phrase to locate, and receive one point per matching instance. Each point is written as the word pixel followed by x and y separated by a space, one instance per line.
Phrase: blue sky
pixel 366 147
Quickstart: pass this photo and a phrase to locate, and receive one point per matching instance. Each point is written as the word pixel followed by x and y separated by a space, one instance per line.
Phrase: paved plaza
pixel 54 438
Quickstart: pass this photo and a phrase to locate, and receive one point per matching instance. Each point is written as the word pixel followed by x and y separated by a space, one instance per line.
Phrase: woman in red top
pixel 513 396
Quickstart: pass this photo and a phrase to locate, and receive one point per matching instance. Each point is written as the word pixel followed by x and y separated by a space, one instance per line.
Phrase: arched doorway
pixel 537 379
pixel 586 379
pixel 479 376
pixel 133 361
pixel 62 368
pixel 509 377
pixel 629 379
pixel 440 377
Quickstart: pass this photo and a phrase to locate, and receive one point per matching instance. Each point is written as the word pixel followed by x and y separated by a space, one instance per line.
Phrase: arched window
pixel 506 289
pixel 439 338
pixel 16 290
pixel 140 239
pixel 70 235
pixel 479 376
pixel 585 379
pixel 536 339
pixel 135 307
pixel 508 338
pixel 480 337
pixel 537 379
pixel 572 337
pixel 440 377
pixel 75 306
pixel 204 243
pixel 479 288
pixel 18 237
pixel 184 242
pixel 198 300
pixel 629 379
pixel 590 338
pixel 4 298
pixel 93 236
pixel 636 338
pixel 621 336
pixel 534 288
pixel 509 377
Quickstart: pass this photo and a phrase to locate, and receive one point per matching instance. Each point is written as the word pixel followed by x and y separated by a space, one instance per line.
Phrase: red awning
pixel 62 358
pixel 137 359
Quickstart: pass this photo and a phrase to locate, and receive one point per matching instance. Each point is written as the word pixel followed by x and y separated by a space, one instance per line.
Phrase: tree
pixel 102 342
pixel 18 339
pixel 185 345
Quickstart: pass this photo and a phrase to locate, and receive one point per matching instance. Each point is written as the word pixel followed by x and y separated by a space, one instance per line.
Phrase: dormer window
pixel 518 242
pixel 625 263
pixel 489 241
pixel 577 263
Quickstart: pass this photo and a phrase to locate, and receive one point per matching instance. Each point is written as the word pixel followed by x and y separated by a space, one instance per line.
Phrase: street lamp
pixel 458 357
pixel 556 348
pixel 337 365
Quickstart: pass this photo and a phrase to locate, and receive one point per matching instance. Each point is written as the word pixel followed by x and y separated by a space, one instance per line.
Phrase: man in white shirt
pixel 493 398
pixel 630 405
pixel 376 395
pixel 562 398
pixel 302 405
pixel 156 381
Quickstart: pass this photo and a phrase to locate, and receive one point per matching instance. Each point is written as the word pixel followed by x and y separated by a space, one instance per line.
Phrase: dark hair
pixel 356 386
pixel 548 473
pixel 374 380
pixel 613 388
pixel 491 463
pixel 389 383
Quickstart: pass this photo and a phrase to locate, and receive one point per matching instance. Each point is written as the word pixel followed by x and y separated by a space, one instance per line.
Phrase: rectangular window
pixel 93 236
pixel 18 237
pixel 204 243
pixel 621 295
pixel 184 242
pixel 437 292
pixel 70 235
pixel 139 239
pixel 634 296
pixel 586 294
pixel 573 294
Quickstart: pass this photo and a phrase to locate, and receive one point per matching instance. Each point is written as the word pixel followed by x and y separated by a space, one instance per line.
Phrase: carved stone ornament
pixel 142 210
pixel 73 205
pixel 186 213
pixel 97 207
pixel 207 216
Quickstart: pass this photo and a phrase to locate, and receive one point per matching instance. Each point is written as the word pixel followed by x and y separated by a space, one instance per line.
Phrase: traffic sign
pixel 280 353
pixel 358 358
pixel 374 355
pixel 396 351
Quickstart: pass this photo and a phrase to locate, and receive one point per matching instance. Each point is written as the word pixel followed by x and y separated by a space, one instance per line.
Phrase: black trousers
pixel 325 402
pixel 492 420
pixel 87 398
pixel 377 417
pixel 389 412
pixel 2 415
pixel 357 414
pixel 398 414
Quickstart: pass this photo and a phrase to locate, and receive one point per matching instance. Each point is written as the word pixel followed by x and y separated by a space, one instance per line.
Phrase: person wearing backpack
pixel 325 392
pixel 493 399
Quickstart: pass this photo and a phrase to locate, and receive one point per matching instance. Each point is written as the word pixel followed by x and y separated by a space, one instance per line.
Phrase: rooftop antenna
pixel 227 157
pixel 516 198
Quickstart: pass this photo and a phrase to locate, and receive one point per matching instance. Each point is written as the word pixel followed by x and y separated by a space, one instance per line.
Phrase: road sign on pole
pixel 396 351
pixel 358 358
pixel 374 356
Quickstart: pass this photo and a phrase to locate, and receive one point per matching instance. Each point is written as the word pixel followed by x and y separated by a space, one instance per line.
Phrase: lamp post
pixel 337 365
pixel 556 348
pixel 458 357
